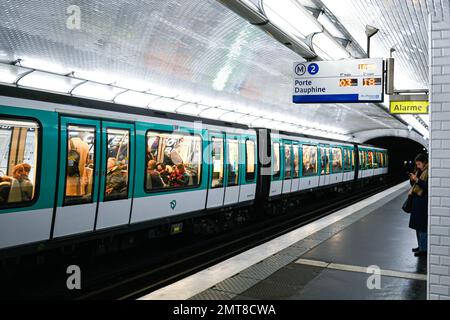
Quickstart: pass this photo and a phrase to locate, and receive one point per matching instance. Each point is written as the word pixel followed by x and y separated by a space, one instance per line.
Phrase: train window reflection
pixel 233 162
pixel 276 160
pixel 287 162
pixel 309 160
pixel 250 161
pixel 337 160
pixel 296 162
pixel 325 160
pixel 80 164
pixel 18 161
pixel 217 162
pixel 117 164
pixel 173 161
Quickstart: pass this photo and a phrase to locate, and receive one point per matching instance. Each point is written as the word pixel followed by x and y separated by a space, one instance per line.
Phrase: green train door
pixel 217 172
pixel 78 177
pixel 117 173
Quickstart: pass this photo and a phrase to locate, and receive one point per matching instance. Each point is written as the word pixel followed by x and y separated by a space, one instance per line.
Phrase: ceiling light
pixel 43 65
pixel 291 17
pixel 48 81
pixel 330 26
pixel 10 73
pixel 231 116
pixel 94 76
pixel 132 85
pixel 247 119
pixel 327 47
pixel 163 91
pixel 134 98
pixel 191 109
pixel 213 113
pixel 97 91
pixel 166 104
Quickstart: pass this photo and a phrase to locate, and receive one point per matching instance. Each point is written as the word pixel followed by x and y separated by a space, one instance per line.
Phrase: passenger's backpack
pixel 73 161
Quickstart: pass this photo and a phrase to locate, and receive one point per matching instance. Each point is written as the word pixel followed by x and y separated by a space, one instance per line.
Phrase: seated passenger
pixel 163 172
pixel 5 186
pixel 154 180
pixel 116 183
pixel 26 184
pixel 179 177
pixel 20 187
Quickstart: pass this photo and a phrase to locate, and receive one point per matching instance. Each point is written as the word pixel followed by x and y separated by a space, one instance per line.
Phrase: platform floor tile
pixel 212 294
pixel 283 284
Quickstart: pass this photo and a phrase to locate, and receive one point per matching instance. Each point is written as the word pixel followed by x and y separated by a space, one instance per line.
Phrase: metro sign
pixel 300 69
pixel 344 81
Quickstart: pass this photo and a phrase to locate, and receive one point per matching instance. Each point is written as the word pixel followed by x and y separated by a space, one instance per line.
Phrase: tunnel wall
pixel 402 133
pixel 439 195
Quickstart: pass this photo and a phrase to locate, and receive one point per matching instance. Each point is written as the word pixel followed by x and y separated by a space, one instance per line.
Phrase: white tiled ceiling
pixel 200 48
pixel 403 27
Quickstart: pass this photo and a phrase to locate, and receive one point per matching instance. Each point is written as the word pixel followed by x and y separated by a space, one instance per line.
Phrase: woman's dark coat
pixel 419 212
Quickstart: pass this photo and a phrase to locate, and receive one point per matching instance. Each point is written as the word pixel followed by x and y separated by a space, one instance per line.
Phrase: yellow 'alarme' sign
pixel 409 104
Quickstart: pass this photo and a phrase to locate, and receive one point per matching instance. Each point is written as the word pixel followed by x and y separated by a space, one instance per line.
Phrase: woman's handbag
pixel 407 206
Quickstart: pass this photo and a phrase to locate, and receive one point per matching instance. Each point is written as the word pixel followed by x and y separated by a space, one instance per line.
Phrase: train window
pixel 276 160
pixel 287 162
pixel 353 159
pixel 337 160
pixel 350 159
pixel 18 161
pixel 173 161
pixel 250 160
pixel 118 156
pixel 217 162
pixel 362 160
pixel 80 164
pixel 377 161
pixel 347 159
pixel 233 162
pixel 370 159
pixel 296 162
pixel 380 160
pixel 325 160
pixel 309 167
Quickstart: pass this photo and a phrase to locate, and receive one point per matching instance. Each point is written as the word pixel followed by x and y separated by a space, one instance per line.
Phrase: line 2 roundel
pixel 313 68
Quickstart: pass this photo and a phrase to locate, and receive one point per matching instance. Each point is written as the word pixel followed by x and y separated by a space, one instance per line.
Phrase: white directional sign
pixel 357 80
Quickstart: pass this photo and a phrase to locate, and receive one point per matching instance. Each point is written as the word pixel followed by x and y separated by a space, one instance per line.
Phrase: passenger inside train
pixel 174 161
pixel 309 160
pixel 18 140
pixel 80 165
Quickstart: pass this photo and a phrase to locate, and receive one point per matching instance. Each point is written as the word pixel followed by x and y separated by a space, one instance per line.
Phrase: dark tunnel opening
pixel 402 152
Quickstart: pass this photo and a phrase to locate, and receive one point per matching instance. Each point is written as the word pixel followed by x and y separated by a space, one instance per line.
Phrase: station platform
pixel 327 259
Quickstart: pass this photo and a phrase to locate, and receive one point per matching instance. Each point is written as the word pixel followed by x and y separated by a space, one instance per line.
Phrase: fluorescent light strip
pixel 230 111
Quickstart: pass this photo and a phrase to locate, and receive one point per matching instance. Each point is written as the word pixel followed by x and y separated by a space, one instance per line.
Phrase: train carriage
pixel 95 168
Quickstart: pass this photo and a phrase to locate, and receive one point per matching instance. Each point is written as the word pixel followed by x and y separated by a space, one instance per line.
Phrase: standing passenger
pixel 78 180
pixel 419 213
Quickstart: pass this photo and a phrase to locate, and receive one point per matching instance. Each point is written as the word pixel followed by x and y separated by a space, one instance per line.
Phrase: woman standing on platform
pixel 419 212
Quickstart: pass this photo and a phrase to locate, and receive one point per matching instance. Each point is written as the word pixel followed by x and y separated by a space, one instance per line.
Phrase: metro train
pixel 74 170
